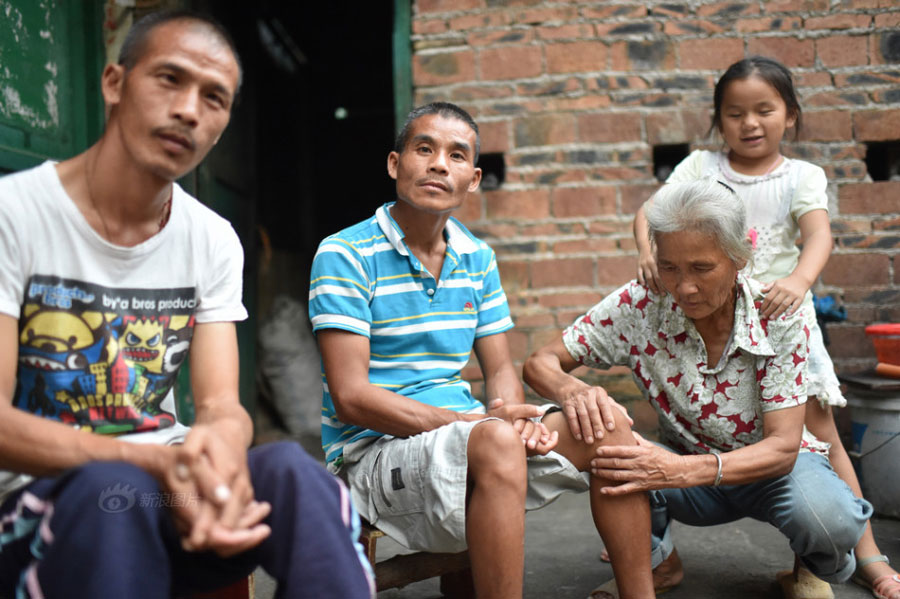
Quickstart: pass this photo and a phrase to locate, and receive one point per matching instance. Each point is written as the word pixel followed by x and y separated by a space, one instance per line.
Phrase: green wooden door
pixel 51 57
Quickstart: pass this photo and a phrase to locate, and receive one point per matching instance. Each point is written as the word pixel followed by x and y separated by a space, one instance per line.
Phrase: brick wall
pixel 576 94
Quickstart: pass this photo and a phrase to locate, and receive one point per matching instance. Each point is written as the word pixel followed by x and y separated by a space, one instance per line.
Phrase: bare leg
pixel 820 422
pixel 624 521
pixel 495 514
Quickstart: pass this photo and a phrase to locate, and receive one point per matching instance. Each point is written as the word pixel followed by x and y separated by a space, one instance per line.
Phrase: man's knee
pixel 112 486
pixel 495 448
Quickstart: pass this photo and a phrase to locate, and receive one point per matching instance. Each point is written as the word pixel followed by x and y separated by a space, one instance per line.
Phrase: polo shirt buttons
pixel 430 292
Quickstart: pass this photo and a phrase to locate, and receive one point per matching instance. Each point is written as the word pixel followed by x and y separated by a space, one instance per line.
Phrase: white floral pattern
pixel 701 407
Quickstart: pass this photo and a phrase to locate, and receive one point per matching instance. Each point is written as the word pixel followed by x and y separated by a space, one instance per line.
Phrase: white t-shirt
pixel 103 329
pixel 775 202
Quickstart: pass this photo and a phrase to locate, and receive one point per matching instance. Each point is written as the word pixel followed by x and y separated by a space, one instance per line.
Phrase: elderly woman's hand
pixel 589 410
pixel 641 467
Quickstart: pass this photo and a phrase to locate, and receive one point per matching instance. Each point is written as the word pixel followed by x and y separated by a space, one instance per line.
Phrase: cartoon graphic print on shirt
pixel 101 358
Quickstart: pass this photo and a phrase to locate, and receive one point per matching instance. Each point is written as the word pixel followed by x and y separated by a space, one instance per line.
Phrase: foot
pixel 879 577
pixel 667 575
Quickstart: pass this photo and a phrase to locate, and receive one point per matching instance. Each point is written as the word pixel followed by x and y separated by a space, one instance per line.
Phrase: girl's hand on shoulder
pixel 647 274
pixel 783 295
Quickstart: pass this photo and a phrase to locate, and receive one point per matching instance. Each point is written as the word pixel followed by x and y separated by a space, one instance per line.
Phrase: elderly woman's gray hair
pixel 706 206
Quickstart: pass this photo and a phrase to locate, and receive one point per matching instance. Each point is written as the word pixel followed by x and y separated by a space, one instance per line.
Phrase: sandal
pixel 883 587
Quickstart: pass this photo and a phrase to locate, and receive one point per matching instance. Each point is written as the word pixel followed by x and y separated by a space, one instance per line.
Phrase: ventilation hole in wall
pixel 666 157
pixel 883 160
pixel 493 171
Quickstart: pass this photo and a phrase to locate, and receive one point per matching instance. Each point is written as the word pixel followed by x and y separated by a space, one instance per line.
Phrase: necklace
pixel 165 213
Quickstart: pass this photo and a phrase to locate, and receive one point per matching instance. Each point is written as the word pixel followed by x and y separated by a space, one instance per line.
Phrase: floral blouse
pixel 702 407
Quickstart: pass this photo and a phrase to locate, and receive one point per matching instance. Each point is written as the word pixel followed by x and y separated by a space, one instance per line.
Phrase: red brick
pixel 854 4
pixel 536 16
pixel 576 57
pixel 524 205
pixel 514 274
pixel 482 19
pixel 502 36
pixel 645 28
pixel 864 269
pixel 481 92
pixel 544 130
pixel 840 21
pixel 841 225
pixel 727 9
pixel 518 344
pixel 573 31
pixel 542 319
pixel 887 20
pixel 421 26
pixel 879 197
pixel 634 196
pixel 618 82
pixel 796 6
pixel 790 51
pixel 680 126
pixel 867 78
pixel 616 270
pixel 843 50
pixel 425 6
pixel 680 27
pixel 876 125
pixel 826 125
pixel 613 10
pixel 443 68
pixel 609 127
pixel 568 202
pixel 769 24
pixel 878 44
pixel 510 62
pixel 642 55
pixel 471 209
pixel 850 341
pixel 568 300
pixel 716 53
pixel 617 226
pixel 548 88
pixel 574 272
pixel 814 79
pixel 828 98
pixel 620 173
pixel 494 136
pixel 886 224
pixel 591 102
pixel 896 269
pixel 585 246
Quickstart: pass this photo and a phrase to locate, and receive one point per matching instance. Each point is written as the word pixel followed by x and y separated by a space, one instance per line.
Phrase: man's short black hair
pixel 136 39
pixel 444 109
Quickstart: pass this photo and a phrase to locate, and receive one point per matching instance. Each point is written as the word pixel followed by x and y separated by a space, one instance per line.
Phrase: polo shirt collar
pixel 457 240
pixel 749 333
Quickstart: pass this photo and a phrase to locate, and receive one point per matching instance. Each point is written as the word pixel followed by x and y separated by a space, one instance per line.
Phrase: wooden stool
pixel 401 570
pixel 242 589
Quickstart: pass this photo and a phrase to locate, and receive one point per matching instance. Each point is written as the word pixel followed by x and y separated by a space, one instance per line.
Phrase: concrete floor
pixel 733 561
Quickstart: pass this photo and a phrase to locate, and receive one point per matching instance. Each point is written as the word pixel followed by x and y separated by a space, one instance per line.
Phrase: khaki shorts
pixel 414 489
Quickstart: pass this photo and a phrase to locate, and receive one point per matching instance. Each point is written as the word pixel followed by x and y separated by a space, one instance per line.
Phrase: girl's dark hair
pixel 769 70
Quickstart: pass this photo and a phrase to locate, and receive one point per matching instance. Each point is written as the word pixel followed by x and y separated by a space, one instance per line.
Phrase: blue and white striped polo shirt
pixel 421 331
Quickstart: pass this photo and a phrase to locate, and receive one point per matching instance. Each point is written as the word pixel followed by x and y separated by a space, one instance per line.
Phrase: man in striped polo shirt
pixel 398 303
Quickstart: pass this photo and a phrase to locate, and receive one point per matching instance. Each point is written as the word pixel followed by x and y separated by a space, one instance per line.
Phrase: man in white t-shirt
pixel 110 277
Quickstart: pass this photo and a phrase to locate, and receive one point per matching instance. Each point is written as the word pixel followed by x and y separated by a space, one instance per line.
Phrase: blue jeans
pixel 105 530
pixel 811 506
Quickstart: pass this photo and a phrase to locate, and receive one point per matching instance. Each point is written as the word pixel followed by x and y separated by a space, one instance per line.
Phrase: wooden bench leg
pixel 458 585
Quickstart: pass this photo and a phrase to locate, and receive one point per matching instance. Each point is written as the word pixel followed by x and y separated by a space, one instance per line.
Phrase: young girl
pixel 754 104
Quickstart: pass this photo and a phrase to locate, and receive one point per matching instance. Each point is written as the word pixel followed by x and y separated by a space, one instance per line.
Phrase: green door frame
pixel 402 50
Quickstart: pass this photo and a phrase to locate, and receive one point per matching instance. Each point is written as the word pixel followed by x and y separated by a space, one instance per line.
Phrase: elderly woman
pixel 728 386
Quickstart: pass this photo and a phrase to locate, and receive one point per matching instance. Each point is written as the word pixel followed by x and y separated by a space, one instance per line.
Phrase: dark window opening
pixel 666 157
pixel 883 160
pixel 493 171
